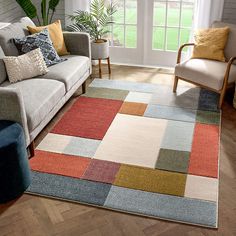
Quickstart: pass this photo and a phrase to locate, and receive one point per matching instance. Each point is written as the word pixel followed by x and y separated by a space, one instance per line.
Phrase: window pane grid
pixel 124 30
pixel 128 24
pixel 176 30
pixel 172 27
pixel 173 32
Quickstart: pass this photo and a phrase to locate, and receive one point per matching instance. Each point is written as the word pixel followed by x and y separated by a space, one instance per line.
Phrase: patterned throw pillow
pixel 40 40
pixel 25 66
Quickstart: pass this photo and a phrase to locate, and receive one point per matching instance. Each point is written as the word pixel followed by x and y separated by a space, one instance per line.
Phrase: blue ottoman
pixel 14 166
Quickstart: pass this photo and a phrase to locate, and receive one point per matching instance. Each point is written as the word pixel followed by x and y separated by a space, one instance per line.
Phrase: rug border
pixel 121 211
pixel 219 156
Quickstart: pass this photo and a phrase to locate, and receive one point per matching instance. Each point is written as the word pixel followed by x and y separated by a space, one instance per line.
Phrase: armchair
pixel 209 74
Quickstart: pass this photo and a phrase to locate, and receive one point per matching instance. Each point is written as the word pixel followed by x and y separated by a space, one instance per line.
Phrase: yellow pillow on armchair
pixel 56 35
pixel 210 43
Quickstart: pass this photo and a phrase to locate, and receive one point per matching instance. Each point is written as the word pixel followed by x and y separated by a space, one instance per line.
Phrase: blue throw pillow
pixel 39 40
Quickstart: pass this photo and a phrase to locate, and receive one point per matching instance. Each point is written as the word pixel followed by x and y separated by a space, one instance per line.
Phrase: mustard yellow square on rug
pixel 151 180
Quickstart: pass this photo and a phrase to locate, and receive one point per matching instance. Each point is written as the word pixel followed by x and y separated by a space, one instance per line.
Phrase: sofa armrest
pixel 12 108
pixel 78 43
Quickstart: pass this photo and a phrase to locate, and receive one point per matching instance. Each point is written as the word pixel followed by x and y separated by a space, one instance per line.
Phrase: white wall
pixel 10 11
pixel 229 13
pixel 72 5
pixel 59 14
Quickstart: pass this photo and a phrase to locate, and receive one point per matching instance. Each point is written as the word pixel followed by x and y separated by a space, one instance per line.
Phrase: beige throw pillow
pixel 25 66
pixel 210 43
pixel 56 35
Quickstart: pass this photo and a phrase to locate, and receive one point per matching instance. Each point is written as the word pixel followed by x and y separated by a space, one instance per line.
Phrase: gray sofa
pixel 34 102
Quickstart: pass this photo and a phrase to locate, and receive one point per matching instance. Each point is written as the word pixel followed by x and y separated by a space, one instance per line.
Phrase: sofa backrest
pixel 230 49
pixel 14 30
pixel 3 74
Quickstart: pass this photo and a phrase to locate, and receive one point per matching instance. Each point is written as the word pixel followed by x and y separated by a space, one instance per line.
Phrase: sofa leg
pixel 84 87
pixel 31 149
pixel 175 84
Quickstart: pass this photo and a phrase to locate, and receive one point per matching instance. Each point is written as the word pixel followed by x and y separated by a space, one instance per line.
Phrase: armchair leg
pixel 175 84
pixel 31 149
pixel 84 87
pixel 222 95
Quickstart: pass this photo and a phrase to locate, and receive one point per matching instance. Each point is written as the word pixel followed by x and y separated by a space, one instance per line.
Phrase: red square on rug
pixel 88 118
pixel 205 149
pixel 61 164
pixel 101 171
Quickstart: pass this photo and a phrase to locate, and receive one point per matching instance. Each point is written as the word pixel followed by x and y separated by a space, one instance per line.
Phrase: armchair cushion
pixel 208 73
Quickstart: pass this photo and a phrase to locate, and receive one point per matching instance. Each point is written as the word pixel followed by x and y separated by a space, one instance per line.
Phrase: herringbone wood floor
pixel 31 215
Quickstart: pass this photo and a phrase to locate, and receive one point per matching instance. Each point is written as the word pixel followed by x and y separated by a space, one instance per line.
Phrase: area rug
pixel 136 148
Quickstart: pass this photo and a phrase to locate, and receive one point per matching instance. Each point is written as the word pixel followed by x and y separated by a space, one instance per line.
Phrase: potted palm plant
pixel 96 23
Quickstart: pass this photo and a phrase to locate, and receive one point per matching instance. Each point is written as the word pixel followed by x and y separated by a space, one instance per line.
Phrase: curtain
pixel 72 5
pixel 206 12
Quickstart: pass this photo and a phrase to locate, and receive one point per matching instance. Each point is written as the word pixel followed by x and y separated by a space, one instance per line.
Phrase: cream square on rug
pixel 132 140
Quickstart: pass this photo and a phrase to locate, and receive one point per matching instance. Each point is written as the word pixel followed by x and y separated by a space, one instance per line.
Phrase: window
pixel 149 32
pixel 124 31
pixel 172 24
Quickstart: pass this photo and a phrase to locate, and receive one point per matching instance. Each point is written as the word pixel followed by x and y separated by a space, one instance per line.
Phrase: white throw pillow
pixel 25 66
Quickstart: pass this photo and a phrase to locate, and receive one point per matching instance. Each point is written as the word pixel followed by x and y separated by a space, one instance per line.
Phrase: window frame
pixel 166 26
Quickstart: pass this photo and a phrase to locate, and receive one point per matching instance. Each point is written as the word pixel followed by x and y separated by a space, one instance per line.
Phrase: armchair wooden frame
pixel 225 82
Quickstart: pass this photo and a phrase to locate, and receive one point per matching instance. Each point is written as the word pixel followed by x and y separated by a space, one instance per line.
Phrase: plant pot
pixel 100 50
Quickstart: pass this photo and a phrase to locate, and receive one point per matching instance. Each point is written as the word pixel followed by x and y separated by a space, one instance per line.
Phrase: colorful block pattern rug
pixel 136 148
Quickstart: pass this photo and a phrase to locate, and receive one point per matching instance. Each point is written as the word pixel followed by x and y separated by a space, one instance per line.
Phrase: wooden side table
pixel 100 51
pixel 100 66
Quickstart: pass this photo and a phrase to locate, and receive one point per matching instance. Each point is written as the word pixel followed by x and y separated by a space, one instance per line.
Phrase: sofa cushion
pixel 69 71
pixel 40 97
pixel 15 30
pixel 206 72
pixel 3 73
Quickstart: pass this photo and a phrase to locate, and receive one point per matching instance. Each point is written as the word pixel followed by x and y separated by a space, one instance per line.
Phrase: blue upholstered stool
pixel 14 167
